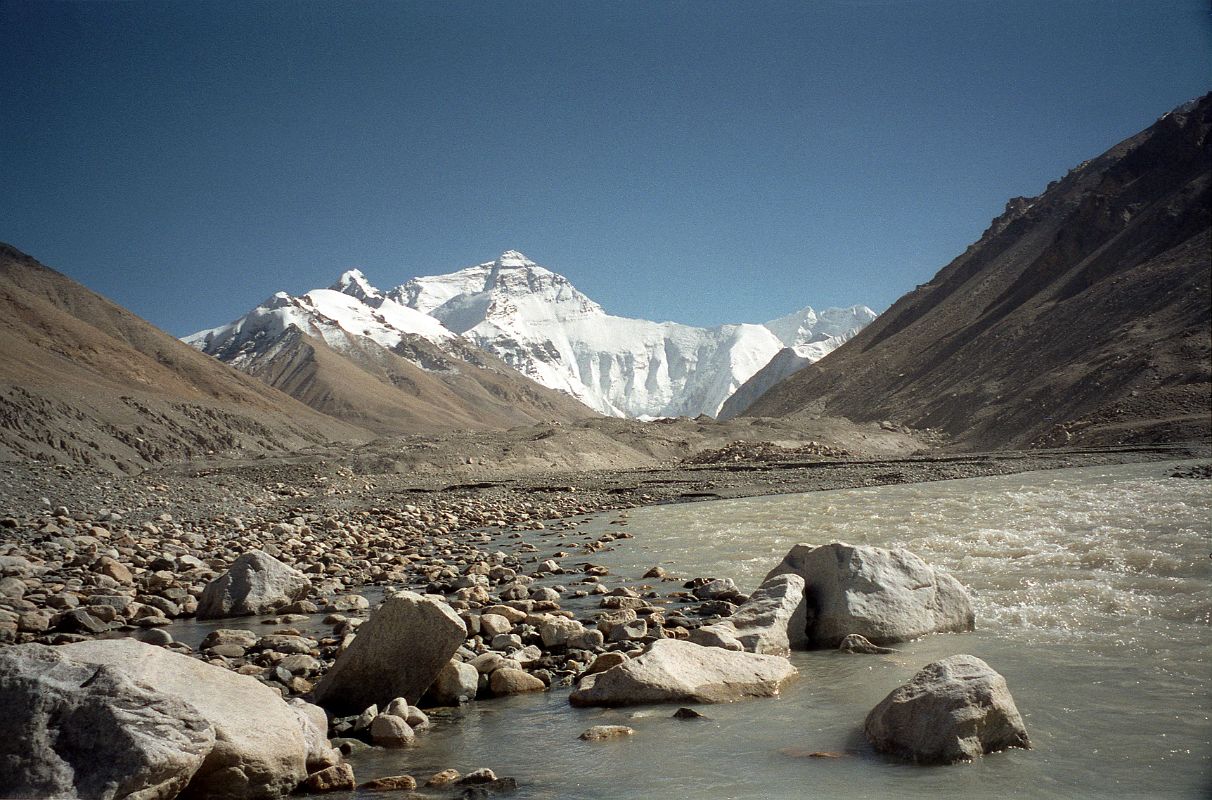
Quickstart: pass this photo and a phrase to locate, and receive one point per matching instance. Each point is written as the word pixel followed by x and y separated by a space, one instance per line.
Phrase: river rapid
pixel 1093 594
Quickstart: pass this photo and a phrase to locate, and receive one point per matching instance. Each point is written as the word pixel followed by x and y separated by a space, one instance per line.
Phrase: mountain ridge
pixel 1080 315
pixel 538 323
pixel 353 352
pixel 84 380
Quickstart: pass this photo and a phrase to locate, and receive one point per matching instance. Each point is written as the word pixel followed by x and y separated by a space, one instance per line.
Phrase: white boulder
pixel 956 709
pixel 76 729
pixel 675 671
pixel 256 583
pixel 260 746
pixel 398 652
pixel 770 622
pixel 885 595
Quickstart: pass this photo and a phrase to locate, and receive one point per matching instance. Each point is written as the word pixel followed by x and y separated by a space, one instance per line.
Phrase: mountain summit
pixel 353 352
pixel 539 323
pixel 353 283
pixel 463 299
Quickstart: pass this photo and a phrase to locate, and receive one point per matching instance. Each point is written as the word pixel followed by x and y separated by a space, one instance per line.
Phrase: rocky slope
pixel 354 353
pixel 1081 315
pixel 539 323
pixel 82 380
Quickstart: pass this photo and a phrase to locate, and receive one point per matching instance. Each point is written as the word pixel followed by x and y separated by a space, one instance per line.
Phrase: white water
pixel 1094 597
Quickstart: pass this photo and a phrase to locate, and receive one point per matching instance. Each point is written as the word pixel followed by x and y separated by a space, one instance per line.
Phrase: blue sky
pixel 705 162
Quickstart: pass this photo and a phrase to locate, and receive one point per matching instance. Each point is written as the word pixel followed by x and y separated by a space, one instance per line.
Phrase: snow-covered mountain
pixel 353 353
pixel 537 322
pixel 785 363
pixel 809 336
pixel 813 334
pixel 348 310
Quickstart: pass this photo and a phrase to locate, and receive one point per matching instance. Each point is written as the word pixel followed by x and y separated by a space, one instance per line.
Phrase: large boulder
pixel 260 749
pixel 398 652
pixel 256 583
pixel 75 729
pixel 885 595
pixel 770 622
pixel 674 671
pixel 952 710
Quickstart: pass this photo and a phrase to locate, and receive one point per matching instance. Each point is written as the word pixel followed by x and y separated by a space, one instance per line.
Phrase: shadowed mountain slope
pixel 385 390
pixel 84 380
pixel 1081 315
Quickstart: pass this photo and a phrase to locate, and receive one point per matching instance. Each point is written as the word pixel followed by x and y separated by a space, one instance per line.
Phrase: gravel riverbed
pixel 87 555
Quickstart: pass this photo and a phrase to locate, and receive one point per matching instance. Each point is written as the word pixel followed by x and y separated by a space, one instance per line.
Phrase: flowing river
pixel 1093 592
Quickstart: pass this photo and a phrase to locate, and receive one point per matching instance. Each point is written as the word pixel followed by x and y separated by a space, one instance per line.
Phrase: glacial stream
pixel 1093 594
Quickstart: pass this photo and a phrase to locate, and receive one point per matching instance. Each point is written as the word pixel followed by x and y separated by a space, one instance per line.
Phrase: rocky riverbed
pixel 86 556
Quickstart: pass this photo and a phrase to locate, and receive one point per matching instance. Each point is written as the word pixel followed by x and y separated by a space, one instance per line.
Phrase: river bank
pixel 137 567
pixel 335 481
pixel 1091 587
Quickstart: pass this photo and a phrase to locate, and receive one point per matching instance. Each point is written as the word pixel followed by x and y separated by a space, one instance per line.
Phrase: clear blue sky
pixel 705 162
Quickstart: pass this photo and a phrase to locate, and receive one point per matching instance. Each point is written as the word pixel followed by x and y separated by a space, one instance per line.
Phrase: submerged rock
pixel 771 621
pixel 390 783
pixel 76 729
pixel 601 732
pixel 956 709
pixel 446 777
pixel 398 652
pixel 674 671
pixel 256 583
pixel 856 643
pixel 886 596
pixel 260 745
pixel 687 713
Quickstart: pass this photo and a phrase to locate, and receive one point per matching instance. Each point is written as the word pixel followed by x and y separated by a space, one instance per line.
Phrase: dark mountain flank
pixel 461 387
pixel 83 380
pixel 1080 316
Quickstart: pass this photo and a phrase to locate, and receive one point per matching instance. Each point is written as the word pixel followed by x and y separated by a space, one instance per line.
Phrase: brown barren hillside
pixel 84 380
pixel 384 391
pixel 1080 316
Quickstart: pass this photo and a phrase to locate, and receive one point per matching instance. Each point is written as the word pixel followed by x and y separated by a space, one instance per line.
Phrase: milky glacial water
pixel 1093 592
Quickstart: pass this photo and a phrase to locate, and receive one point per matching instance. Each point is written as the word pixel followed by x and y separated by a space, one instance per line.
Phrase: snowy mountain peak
pixel 510 286
pixel 540 324
pixel 353 283
pixel 808 326
pixel 349 310
pixel 512 258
